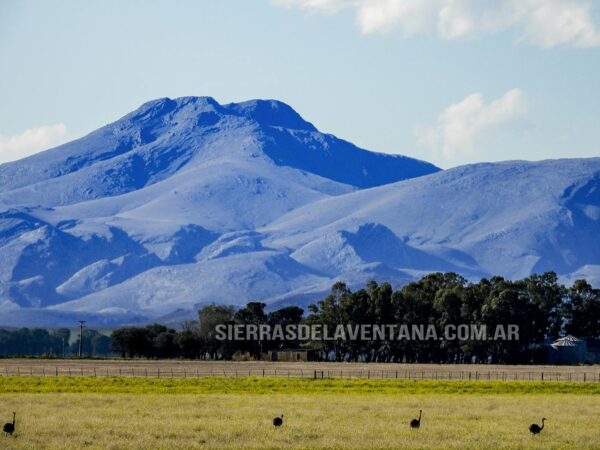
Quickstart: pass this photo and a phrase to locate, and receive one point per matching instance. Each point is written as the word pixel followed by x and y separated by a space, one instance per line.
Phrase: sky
pixel 447 81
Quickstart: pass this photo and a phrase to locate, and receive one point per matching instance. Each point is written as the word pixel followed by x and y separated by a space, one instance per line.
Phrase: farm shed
pixel 567 350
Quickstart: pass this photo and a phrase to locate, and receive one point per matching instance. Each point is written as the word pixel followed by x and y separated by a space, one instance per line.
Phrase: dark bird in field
pixel 278 421
pixel 416 423
pixel 534 428
pixel 9 428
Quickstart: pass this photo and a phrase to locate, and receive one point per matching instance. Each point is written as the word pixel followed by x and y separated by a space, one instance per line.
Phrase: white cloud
pixel 410 16
pixel 552 23
pixel 31 141
pixel 547 23
pixel 462 124
pixel 328 6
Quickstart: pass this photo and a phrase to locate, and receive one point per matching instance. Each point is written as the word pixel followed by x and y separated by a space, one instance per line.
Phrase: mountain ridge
pixel 154 190
pixel 185 202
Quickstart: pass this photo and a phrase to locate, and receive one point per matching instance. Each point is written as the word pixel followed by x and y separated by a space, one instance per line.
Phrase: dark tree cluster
pixel 199 339
pixel 156 341
pixel 539 305
pixel 94 344
pixel 34 342
pixel 52 343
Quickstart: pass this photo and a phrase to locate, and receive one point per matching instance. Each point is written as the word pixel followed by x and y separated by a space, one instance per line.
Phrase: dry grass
pixel 313 419
pixel 180 369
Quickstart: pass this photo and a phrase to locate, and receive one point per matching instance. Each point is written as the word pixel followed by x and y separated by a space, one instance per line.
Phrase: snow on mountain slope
pixel 164 189
pixel 232 279
pixel 166 136
pixel 185 202
pixel 510 218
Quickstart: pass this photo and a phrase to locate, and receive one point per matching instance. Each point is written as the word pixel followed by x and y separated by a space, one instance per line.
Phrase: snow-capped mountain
pixel 511 218
pixel 162 209
pixel 185 202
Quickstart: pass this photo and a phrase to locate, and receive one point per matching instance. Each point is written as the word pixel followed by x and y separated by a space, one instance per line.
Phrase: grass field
pixel 183 369
pixel 104 413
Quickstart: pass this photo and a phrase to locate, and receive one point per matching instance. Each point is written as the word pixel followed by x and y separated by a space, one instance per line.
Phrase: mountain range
pixel 186 201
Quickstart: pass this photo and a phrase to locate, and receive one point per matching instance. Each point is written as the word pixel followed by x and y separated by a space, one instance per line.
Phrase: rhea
pixel 534 428
pixel 416 423
pixel 9 428
pixel 278 421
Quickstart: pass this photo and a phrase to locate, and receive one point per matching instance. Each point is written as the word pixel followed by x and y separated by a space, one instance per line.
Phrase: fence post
pixel 542 376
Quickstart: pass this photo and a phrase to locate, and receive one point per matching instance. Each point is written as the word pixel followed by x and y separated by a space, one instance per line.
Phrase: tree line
pixel 541 307
pixel 51 343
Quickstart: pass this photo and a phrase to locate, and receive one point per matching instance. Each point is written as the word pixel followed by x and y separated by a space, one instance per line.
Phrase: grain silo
pixel 568 350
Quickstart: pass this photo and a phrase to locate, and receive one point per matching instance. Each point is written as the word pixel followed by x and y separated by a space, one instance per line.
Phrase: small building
pixel 292 355
pixel 567 350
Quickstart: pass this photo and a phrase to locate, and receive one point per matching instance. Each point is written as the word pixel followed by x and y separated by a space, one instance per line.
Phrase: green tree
pixel 583 310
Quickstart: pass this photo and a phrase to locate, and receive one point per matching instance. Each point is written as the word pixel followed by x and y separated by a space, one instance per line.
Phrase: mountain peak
pixel 272 113
pixel 166 135
pixel 164 106
pixel 267 113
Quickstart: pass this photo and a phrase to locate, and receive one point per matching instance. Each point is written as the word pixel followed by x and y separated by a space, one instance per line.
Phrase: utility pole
pixel 81 324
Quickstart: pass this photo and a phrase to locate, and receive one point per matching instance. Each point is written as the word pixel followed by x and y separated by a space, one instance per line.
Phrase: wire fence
pixel 174 372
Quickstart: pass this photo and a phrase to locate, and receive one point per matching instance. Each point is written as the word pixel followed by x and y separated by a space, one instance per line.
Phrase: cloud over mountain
pixel 31 141
pixel 460 125
pixel 545 23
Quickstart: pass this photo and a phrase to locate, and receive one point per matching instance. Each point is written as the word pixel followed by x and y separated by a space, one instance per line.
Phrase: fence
pixel 124 371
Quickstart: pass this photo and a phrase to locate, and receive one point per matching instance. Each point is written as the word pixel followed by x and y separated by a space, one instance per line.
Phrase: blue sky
pixel 449 81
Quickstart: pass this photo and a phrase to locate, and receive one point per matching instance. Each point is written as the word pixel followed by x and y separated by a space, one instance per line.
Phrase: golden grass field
pixel 108 413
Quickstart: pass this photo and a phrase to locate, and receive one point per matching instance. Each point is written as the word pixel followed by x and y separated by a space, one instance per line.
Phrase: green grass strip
pixel 265 386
